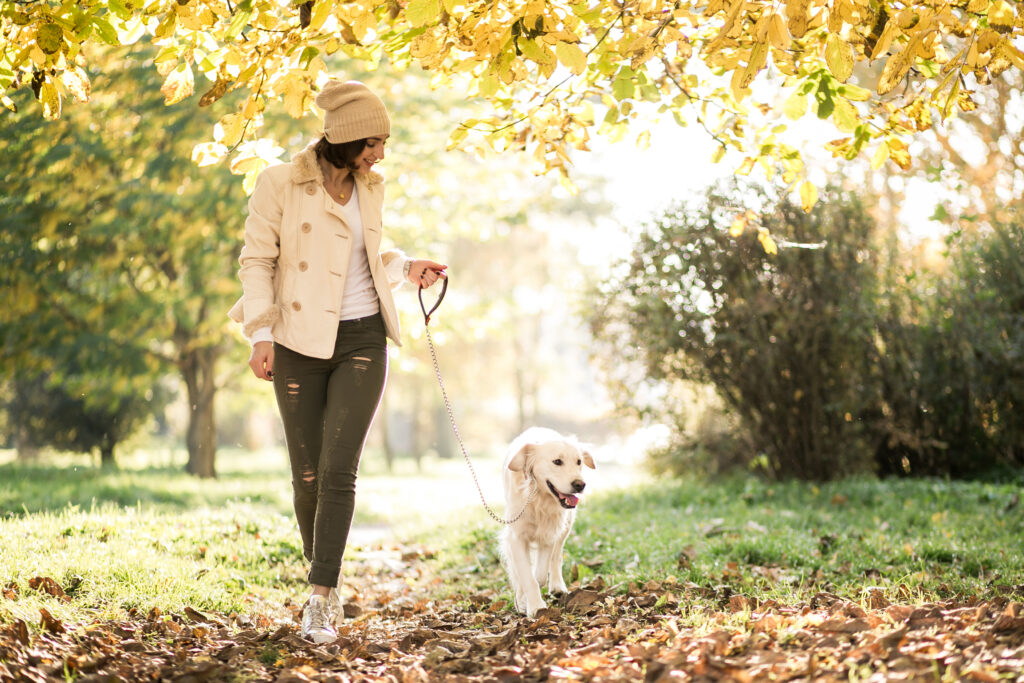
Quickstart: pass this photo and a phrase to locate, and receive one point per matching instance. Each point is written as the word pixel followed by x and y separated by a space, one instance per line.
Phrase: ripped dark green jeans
pixel 327 406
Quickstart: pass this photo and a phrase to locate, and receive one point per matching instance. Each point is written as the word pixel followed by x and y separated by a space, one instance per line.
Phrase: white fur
pixel 531 548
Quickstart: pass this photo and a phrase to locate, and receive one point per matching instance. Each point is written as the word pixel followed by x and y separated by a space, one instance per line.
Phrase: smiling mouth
pixel 566 500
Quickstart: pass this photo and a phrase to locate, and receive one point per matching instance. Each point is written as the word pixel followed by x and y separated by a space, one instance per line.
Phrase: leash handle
pixel 440 298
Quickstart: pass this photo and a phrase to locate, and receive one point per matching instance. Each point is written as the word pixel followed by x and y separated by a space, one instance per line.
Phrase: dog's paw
pixel 533 607
pixel 557 587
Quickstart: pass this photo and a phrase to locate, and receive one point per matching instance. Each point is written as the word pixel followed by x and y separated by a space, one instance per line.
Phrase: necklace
pixel 338 188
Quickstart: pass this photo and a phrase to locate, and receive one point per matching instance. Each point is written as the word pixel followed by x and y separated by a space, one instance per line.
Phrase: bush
pixel 952 379
pixel 786 339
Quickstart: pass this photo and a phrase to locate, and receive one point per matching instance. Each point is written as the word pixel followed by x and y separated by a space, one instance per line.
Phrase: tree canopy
pixel 554 72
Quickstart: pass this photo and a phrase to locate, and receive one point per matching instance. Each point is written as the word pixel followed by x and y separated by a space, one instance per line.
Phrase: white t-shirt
pixel 360 296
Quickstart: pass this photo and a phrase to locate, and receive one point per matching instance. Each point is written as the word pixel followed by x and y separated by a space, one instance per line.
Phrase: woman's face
pixel 371 154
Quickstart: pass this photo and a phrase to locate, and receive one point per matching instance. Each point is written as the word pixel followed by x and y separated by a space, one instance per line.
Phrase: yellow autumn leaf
pixel 880 155
pixel 178 85
pixel 746 167
pixel 899 153
pixel 778 34
pixel 760 31
pixel 758 58
pixel 456 137
pixel 954 92
pixel 845 116
pixel 229 130
pixel 739 224
pixel 78 84
pixel 50 38
pixel 797 17
pixel 795 105
pixel 896 68
pixel 208 153
pixel 889 33
pixel 297 97
pixel 808 195
pixel 839 57
pixel 767 243
pixel 854 92
pixel 247 164
pixel 422 12
pixel 1001 15
pixel 321 10
pixel 571 56
pixel 50 99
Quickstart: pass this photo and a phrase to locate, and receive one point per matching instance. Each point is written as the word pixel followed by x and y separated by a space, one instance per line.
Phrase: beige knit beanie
pixel 352 112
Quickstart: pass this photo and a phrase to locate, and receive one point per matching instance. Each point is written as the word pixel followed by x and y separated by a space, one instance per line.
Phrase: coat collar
pixel 306 169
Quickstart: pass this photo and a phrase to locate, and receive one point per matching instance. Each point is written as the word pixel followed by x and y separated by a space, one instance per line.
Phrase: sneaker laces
pixel 319 612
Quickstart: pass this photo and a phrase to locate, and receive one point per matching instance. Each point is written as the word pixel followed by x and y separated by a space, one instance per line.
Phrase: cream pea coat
pixel 295 259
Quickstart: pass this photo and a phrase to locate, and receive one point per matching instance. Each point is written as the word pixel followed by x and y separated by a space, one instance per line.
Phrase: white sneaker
pixel 318 620
pixel 337 606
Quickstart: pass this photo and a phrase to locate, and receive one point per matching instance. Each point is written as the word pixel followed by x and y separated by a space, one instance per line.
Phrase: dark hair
pixel 341 154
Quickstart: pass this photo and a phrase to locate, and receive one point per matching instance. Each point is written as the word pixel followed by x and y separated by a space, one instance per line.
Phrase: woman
pixel 317 307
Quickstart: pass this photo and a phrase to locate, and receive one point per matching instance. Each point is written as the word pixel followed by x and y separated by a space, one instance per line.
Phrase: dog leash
pixel 451 415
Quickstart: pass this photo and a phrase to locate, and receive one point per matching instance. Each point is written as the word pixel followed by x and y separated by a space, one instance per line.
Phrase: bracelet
pixel 406 267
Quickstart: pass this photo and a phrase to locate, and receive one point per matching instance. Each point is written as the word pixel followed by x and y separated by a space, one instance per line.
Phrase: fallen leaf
pixel 844 625
pixel 20 632
pixel 47 585
pixel 892 639
pixel 581 599
pixel 49 622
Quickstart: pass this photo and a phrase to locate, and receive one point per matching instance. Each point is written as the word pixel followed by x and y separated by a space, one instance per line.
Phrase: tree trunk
pixel 107 452
pixel 197 369
pixel 25 450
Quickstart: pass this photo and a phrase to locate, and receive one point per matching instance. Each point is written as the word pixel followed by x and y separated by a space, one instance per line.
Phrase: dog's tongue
pixel 571 501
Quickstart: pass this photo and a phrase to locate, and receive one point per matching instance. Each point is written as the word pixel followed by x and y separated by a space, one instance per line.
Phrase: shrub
pixel 952 380
pixel 786 339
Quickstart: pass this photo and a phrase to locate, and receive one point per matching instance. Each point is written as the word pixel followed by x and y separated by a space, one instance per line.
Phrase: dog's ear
pixel 518 461
pixel 588 460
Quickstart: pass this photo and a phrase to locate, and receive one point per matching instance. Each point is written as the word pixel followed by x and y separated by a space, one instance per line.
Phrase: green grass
pixel 914 539
pixel 143 537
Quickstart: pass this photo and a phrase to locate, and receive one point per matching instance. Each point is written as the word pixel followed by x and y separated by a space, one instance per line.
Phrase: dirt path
pixel 395 631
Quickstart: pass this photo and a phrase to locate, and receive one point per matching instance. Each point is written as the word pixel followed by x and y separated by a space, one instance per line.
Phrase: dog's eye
pixel 579 462
pixel 558 461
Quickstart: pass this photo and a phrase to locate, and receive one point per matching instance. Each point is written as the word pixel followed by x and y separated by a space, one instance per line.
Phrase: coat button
pixel 296 306
pixel 306 227
pixel 310 190
pixel 303 266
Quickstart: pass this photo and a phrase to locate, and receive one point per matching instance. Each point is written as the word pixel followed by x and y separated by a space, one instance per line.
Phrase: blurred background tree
pixel 118 253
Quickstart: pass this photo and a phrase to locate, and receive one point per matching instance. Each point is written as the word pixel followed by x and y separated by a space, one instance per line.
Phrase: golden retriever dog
pixel 531 548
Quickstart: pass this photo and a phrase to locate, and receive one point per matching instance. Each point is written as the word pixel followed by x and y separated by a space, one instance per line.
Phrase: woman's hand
pixel 262 360
pixel 424 273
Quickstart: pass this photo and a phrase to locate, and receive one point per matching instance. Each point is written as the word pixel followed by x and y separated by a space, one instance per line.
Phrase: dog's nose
pixel 579 485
